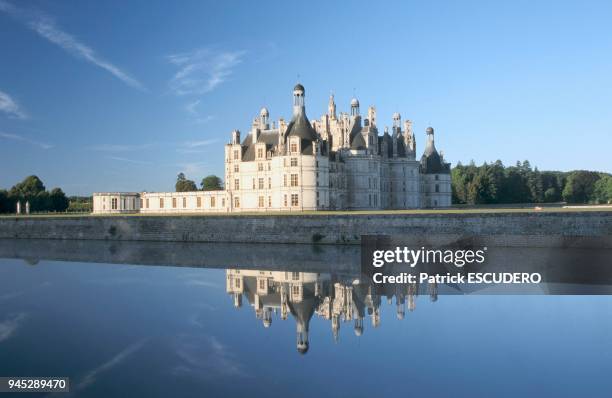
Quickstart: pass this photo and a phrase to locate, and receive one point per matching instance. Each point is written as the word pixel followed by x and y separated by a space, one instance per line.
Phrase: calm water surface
pixel 161 331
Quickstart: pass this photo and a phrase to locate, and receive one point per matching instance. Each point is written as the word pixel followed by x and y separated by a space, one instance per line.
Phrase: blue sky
pixel 98 96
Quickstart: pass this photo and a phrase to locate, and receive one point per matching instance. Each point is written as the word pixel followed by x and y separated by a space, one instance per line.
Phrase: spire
pixel 331 109
pixel 372 116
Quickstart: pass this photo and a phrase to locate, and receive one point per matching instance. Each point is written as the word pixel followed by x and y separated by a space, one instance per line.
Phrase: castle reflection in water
pixel 339 299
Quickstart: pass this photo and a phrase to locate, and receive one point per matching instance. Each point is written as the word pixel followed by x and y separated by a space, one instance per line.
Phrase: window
pixel 236 168
pixel 260 153
pixel 236 154
pixel 269 183
pixel 223 202
pixel 437 187
pixel 295 290
pixel 147 203
pixel 237 283
pixel 285 201
pixel 269 201
pixel 260 183
pixel 317 163
pixel 293 147
pixel 114 204
pixel 293 162
pixel 294 199
pixel 294 180
pixel 284 180
pixel 261 201
pixel 213 201
pixel 269 166
pixel 184 202
pixel 437 177
pixel 161 203
pixel 236 202
pixel 173 203
pixel 237 184
pixel 295 276
pixel 260 167
pixel 199 201
pixel 262 284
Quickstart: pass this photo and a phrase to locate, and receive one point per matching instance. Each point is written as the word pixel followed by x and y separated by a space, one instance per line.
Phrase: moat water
pixel 178 320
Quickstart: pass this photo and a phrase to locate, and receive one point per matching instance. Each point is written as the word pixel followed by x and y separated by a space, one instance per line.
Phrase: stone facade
pixel 340 161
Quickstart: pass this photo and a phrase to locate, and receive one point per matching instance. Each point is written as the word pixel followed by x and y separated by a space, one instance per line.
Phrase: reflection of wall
pixel 580 229
pixel 336 298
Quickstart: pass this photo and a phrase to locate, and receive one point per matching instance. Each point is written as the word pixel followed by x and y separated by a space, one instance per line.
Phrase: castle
pixel 338 162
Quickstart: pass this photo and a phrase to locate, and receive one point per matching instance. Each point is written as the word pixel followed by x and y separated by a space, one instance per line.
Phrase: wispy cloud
pixel 44 26
pixel 133 161
pixel 220 361
pixel 9 326
pixel 15 137
pixel 93 375
pixel 119 147
pixel 201 71
pixel 198 144
pixel 192 168
pixel 194 146
pixel 9 106
pixel 198 118
pixel 191 107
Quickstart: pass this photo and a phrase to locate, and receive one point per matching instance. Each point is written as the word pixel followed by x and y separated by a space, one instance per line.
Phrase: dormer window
pixel 260 153
pixel 293 147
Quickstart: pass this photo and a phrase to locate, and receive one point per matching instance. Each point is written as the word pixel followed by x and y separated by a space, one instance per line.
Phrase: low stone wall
pixel 546 229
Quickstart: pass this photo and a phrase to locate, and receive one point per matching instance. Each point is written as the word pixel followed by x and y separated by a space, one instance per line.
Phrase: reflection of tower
pixel 267 317
pixel 335 320
pixel 302 312
pixel 412 292
pixel 358 326
pixel 401 309
pixel 376 317
pixel 432 289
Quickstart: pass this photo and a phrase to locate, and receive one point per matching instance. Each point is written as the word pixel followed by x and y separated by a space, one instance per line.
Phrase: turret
pixel 397 121
pixel 354 107
pixel 331 109
pixel 236 137
pixel 263 119
pixel 298 99
pixel 372 116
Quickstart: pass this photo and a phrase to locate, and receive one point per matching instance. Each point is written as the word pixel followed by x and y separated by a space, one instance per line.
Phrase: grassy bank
pixel 470 210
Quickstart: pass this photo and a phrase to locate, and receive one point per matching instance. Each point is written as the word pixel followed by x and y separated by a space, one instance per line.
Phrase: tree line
pixel 209 183
pixel 495 183
pixel 33 190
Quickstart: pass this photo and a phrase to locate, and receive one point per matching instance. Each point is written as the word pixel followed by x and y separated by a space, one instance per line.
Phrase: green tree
pixel 602 192
pixel 580 186
pixel 481 190
pixel 28 188
pixel 535 186
pixel 184 185
pixel 59 201
pixel 5 202
pixel 211 183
